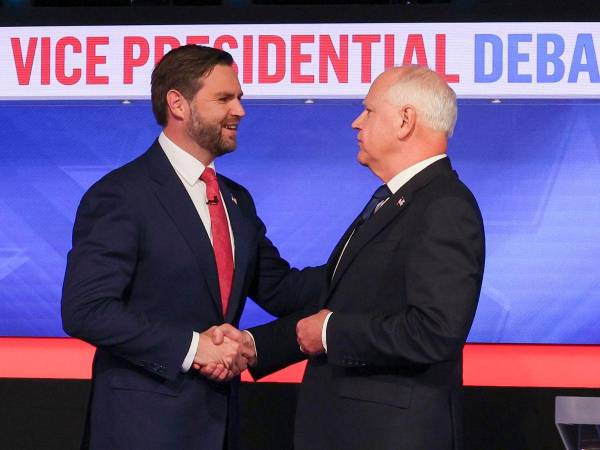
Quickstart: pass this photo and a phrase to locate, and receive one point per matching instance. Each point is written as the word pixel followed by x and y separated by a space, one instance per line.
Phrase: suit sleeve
pixel 277 288
pixel 291 295
pixel 276 345
pixel 284 292
pixel 100 268
pixel 276 341
pixel 443 275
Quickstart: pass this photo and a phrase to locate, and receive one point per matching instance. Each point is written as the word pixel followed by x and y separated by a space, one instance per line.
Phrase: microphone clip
pixel 212 201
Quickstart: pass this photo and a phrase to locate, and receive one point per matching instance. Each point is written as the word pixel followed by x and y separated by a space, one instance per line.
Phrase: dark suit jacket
pixel 403 299
pixel 141 276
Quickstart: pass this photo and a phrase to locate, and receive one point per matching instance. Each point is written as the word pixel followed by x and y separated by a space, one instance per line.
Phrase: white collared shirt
pixel 394 185
pixel 404 177
pixel 188 170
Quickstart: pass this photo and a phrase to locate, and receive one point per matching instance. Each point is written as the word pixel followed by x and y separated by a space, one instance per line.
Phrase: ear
pixel 177 105
pixel 407 120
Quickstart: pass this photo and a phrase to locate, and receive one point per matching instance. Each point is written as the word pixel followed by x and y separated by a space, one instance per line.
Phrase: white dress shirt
pixel 188 170
pixel 394 185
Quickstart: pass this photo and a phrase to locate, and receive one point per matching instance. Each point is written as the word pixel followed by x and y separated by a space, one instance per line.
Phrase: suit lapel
pixel 176 201
pixel 335 254
pixel 242 232
pixel 368 231
pixel 395 205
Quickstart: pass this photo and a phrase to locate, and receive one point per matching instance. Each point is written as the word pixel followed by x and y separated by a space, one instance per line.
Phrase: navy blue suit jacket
pixel 140 278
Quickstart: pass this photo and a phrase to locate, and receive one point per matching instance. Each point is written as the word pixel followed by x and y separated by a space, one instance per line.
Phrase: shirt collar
pixel 186 166
pixel 403 177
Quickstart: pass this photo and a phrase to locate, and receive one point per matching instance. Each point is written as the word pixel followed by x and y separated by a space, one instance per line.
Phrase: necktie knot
pixel 382 193
pixel 208 176
pixel 379 195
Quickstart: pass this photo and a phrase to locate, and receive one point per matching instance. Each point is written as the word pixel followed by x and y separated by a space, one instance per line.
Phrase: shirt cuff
pixel 253 343
pixel 324 331
pixel 189 359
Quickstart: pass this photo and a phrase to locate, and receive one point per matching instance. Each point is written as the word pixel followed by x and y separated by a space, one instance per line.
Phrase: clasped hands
pixel 224 352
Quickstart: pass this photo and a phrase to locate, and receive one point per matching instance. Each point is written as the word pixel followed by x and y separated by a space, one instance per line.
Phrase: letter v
pixel 23 68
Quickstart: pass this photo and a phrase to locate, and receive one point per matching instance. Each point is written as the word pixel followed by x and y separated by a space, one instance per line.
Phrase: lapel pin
pixel 233 199
pixel 401 201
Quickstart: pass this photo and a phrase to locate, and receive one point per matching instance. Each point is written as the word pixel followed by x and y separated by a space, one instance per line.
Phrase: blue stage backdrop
pixel 533 165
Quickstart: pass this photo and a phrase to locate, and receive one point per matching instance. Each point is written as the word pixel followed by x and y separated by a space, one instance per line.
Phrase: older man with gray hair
pixel 399 290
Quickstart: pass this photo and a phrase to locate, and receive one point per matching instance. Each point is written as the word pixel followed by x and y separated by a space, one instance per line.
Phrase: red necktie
pixel 220 235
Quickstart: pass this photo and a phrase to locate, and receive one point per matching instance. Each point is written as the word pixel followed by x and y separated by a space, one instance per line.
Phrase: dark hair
pixel 182 69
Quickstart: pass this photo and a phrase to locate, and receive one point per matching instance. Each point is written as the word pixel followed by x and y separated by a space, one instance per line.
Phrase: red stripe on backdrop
pixel 484 364
pixel 532 365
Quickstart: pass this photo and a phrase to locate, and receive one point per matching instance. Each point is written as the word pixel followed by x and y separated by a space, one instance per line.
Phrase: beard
pixel 208 135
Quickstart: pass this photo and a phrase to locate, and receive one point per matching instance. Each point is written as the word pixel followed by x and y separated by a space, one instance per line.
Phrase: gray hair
pixel 429 93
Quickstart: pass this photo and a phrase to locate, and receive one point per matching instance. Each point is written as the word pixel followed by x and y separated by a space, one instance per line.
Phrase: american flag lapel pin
pixel 401 202
pixel 233 199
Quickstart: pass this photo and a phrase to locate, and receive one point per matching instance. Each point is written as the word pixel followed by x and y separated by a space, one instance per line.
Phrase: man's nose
pixel 238 109
pixel 357 122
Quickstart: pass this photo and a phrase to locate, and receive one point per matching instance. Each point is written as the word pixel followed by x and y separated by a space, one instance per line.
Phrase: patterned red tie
pixel 220 235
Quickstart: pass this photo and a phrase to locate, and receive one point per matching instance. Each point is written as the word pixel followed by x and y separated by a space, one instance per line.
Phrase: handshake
pixel 224 352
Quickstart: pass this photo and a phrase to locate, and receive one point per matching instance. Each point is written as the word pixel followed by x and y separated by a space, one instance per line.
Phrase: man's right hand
pixel 223 360
pixel 220 335
pixel 248 347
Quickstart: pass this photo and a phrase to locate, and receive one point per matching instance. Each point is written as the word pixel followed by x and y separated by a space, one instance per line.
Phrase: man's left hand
pixel 308 333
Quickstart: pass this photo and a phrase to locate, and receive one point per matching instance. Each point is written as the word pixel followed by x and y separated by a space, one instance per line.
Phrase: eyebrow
pixel 228 94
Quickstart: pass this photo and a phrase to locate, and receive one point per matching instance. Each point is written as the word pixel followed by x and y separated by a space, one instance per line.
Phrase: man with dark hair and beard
pixel 164 249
